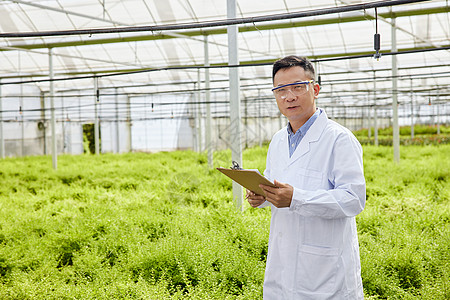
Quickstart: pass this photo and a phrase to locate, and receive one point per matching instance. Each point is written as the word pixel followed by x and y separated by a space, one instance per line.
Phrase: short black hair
pixel 293 61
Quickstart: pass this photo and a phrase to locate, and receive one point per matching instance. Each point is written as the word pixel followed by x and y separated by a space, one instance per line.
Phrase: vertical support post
pixel 22 125
pixel 235 103
pixel 2 140
pixel 260 120
pixel 117 122
pixel 395 128
pixel 438 121
pixel 345 115
pixel 96 127
pixel 375 111
pixel 209 145
pixel 130 140
pixel 44 129
pixel 193 120
pixel 369 118
pixel 362 117
pixel 52 109
pixel 199 124
pixel 63 124
pixel 412 108
pixel 246 121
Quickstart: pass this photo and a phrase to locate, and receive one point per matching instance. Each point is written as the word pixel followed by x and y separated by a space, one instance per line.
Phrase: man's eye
pixel 298 87
pixel 282 90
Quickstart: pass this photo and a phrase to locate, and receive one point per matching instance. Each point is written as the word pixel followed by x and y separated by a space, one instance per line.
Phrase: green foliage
pixel 164 226
pixel 404 130
pixel 423 135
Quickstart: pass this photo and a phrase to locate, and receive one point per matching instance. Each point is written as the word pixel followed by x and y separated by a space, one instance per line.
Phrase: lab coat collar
pixel 311 136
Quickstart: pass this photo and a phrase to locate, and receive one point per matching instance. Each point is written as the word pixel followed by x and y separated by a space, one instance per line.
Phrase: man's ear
pixel 316 90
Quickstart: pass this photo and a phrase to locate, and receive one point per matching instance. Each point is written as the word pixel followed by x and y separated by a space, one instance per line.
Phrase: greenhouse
pixel 170 86
pixel 132 84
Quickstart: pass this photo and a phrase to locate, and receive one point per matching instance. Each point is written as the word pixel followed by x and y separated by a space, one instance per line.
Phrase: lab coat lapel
pixel 284 157
pixel 313 135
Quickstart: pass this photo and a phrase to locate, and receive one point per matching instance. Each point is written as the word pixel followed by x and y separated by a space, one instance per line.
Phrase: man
pixel 317 167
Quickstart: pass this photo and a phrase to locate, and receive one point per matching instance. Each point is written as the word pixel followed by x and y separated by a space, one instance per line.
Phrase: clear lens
pixel 297 89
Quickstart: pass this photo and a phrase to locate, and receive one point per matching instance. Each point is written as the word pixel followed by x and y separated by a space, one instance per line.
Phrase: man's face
pixel 298 109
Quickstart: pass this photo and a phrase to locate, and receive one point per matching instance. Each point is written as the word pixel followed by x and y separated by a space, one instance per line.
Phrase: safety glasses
pixel 296 88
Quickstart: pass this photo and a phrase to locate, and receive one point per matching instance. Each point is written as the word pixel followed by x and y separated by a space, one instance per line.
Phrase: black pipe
pixel 197 25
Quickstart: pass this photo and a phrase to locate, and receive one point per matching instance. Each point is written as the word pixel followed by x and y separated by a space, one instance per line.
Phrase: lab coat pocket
pixel 317 269
pixel 311 180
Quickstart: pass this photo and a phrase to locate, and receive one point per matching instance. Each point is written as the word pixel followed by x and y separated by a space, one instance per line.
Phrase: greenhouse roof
pixel 341 44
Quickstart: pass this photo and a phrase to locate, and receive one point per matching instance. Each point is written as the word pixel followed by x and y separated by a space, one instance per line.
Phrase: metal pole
pixel 2 141
pixel 345 116
pixel 246 122
pixel 437 111
pixel 193 120
pixel 369 118
pixel 52 109
pixel 375 112
pixel 412 109
pixel 395 128
pixel 209 145
pixel 42 100
pixel 63 124
pixel 260 120
pixel 96 127
pixel 22 127
pixel 117 122
pixel 130 140
pixel 199 126
pixel 235 103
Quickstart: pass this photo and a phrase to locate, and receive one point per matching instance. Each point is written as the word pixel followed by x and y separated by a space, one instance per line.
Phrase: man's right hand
pixel 254 200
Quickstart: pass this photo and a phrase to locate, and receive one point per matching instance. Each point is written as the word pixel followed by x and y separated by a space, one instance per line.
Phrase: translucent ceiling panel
pixel 248 8
pixel 76 56
pixel 206 10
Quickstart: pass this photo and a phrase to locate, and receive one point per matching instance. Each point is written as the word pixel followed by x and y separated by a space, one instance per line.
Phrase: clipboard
pixel 250 179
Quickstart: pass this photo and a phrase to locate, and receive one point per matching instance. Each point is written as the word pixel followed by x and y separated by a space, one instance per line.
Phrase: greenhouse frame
pixel 165 75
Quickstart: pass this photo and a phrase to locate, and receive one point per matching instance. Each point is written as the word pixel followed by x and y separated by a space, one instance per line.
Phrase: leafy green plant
pixel 164 226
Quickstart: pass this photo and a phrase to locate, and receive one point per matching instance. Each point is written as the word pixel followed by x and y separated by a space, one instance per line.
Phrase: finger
pixel 268 189
pixel 255 203
pixel 256 197
pixel 279 184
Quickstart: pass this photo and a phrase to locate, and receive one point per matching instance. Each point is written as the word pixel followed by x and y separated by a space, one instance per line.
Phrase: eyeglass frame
pixel 294 83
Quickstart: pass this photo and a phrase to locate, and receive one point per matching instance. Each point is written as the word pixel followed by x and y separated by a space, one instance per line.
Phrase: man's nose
pixel 290 96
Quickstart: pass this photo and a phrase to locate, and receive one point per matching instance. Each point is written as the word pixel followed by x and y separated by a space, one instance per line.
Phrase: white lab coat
pixel 313 244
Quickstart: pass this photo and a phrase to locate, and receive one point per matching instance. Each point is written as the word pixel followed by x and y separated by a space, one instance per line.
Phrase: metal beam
pixel 169 34
pixel 257 62
pixel 214 23
pixel 71 56
pixel 246 28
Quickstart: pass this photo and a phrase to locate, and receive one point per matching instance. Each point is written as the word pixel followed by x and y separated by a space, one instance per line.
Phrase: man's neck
pixel 296 124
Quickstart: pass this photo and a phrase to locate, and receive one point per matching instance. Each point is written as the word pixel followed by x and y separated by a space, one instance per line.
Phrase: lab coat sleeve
pixel 345 173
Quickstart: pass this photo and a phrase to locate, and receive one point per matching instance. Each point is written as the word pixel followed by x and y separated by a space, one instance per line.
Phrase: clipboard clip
pixel 235 166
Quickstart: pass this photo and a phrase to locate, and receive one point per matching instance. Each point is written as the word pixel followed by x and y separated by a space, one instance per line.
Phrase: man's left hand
pixel 280 196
